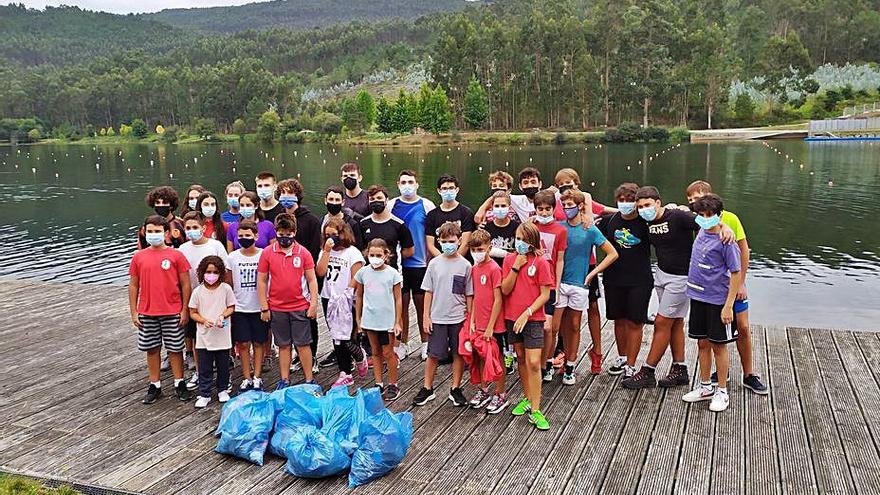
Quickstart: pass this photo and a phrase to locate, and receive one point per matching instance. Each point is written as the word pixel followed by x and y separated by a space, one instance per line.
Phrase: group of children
pixel 506 287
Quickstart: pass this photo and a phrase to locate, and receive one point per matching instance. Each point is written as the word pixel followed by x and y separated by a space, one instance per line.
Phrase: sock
pixel 176 381
pixel 380 384
pixel 157 384
pixel 723 390
pixel 549 365
pixel 705 384
pixel 570 363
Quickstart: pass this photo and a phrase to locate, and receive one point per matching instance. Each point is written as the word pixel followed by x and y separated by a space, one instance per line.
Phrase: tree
pixel 365 105
pixel 139 128
pixel 476 105
pixel 434 112
pixel 205 128
pixel 124 130
pixel 268 125
pixel 239 127
pixel 110 131
pixel 744 107
pixel 34 135
pixel 384 117
pixel 328 123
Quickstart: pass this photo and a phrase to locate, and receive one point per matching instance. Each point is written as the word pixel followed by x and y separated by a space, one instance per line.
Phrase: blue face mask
pixel 247 211
pixel 192 203
pixel 448 248
pixel 521 246
pixel 448 196
pixel 500 212
pixel 288 201
pixel 194 235
pixel 209 211
pixel 155 238
pixel 571 212
pixel 626 208
pixel 649 213
pixel 264 193
pixel 232 202
pixel 407 190
pixel 707 223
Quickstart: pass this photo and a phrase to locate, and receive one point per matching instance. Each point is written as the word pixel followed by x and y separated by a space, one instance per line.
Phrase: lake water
pixel 70 211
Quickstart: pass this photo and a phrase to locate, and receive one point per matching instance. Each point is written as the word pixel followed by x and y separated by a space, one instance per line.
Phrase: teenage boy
pixel 714 279
pixel 450 210
pixel 499 181
pixel 628 282
pixel 449 277
pixel 413 210
pixel 529 183
pixel 234 190
pixel 334 201
pixel 381 224
pixel 751 381
pixel 554 242
pixel 164 201
pixel 265 184
pixel 355 198
pixel 502 228
pixel 248 330
pixel 158 285
pixel 284 302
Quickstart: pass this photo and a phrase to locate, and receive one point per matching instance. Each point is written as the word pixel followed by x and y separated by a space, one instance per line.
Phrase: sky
pixel 129 6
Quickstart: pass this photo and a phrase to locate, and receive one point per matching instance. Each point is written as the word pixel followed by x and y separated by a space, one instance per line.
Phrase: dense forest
pixel 571 64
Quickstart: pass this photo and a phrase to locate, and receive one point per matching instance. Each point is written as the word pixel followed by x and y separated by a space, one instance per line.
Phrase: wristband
pixel 264 310
pixel 529 311
pixel 514 270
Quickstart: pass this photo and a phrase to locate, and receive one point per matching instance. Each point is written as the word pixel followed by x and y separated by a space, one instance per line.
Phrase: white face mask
pixel 544 220
pixel 478 257
pixel 376 261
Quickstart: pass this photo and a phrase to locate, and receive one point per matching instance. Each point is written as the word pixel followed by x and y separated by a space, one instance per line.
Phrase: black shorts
pixel 501 339
pixel 550 305
pixel 531 336
pixel 383 336
pixel 248 327
pixel 189 331
pixel 627 302
pixel 595 293
pixel 412 280
pixel 705 323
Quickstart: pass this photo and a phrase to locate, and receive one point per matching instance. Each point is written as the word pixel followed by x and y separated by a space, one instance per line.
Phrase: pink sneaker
pixel 363 366
pixel 344 380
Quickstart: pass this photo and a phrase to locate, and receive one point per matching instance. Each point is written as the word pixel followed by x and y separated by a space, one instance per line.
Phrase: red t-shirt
pixel 486 277
pixel 288 287
pixel 158 272
pixel 554 238
pixel 531 277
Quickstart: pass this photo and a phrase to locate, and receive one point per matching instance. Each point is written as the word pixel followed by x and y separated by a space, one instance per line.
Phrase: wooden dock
pixel 71 382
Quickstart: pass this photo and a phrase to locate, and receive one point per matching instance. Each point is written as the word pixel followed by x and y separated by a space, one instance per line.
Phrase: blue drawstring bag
pixel 297 407
pixel 311 454
pixel 383 441
pixel 338 413
pixel 245 432
pixel 234 403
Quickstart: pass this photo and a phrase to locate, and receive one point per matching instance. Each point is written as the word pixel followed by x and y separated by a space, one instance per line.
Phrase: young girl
pixel 248 208
pixel 378 309
pixel 339 262
pixel 192 198
pixel 526 287
pixel 210 306
pixel 214 226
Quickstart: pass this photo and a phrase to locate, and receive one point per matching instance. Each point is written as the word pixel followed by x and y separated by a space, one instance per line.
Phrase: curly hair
pixel 163 192
pixel 211 260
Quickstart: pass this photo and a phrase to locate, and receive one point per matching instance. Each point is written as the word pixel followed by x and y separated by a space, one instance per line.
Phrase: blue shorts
pixel 740 305
pixel 550 305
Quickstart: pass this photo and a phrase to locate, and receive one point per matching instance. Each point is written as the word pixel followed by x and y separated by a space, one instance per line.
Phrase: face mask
pixel 564 188
pixel 335 239
pixel 571 212
pixel 192 203
pixel 707 223
pixel 377 206
pixel 376 261
pixel 502 189
pixel 212 278
pixel 193 235
pixel 334 208
pixel 264 193
pixel 285 242
pixel 478 257
pixel 162 210
pixel 407 190
pixel 350 183
pixel 626 208
pixel 209 211
pixel 649 213
pixel 448 196
pixel 155 238
pixel 522 247
pixel 448 248
pixel 691 206
pixel 501 212
pixel 544 220
pixel 247 211
pixel 232 202
pixel 530 191
pixel 288 202
pixel 246 242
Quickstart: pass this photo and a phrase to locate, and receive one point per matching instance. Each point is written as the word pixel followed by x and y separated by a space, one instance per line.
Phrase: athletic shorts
pixel 384 337
pixel 158 331
pixel 412 280
pixel 705 323
pixel 627 302
pixel 550 305
pixel 291 327
pixel 443 340
pixel 740 305
pixel 573 297
pixel 672 294
pixel 189 331
pixel 595 293
pixel 532 335
pixel 248 327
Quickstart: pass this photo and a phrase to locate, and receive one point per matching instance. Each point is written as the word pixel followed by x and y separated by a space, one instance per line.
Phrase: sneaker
pixel 400 350
pixel 618 367
pixel 568 375
pixel 480 399
pixel 391 392
pixel 699 393
pixel 344 380
pixel 595 362
pixel 498 403
pixel 547 374
pixel 330 360
pixel 245 385
pixel 678 375
pixel 523 407
pixel 223 397
pixel 229 388
pixel 538 419
pixel 202 402
pixel 295 365
pixel 315 367
pixel 258 384
pixel 424 396
pixel 424 352
pixel 629 371
pixel 166 364
pixel 720 401
pixel 193 382
pixel 559 360
pixel 189 362
pixel 282 384
pixel 457 397
pixel 182 391
pixel 363 366
pixel 509 361
pixel 153 394
pixel 754 383
pixel 644 378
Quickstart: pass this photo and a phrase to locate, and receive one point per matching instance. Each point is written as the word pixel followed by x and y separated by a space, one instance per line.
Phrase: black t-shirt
pixel 359 204
pixel 270 214
pixel 630 239
pixel 673 238
pixel 461 214
pixel 503 238
pixel 393 231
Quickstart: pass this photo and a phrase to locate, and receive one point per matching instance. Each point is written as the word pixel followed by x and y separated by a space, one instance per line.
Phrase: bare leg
pixel 677 340
pixel 705 350
pixel 419 302
pixel 176 360
pixel 744 342
pixel 258 360
pixel 305 357
pixel 522 368
pixel 376 351
pixel 404 331
pixel 430 371
pixel 571 333
pixel 636 330
pixel 457 370
pixel 621 337
pixel 284 359
pixel 244 352
pixel 391 359
pixel 660 340
pixel 154 362
pixel 722 363
pixel 594 320
pixel 533 358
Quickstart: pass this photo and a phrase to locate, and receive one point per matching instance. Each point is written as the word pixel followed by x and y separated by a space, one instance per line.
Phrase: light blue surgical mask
pixel 155 238
pixel 501 212
pixel 265 193
pixel 247 211
pixel 194 235
pixel 521 246
pixel 448 196
pixel 707 223
pixel 209 211
pixel 192 203
pixel 626 208
pixel 232 202
pixel 288 201
pixel 649 213
pixel 448 248
pixel 544 220
pixel 407 190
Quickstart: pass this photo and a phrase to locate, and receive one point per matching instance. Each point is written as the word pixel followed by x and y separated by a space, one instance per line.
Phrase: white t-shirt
pixel 523 207
pixel 211 304
pixel 339 267
pixel 195 253
pixel 244 281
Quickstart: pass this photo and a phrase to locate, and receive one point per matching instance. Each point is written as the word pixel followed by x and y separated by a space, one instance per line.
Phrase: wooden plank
pixel 761 466
pixel 728 456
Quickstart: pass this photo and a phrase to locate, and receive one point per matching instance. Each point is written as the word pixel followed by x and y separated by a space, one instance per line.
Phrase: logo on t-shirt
pixel 166 264
pixel 532 270
pixel 660 228
pixel 625 238
pixel 483 279
pixel 297 261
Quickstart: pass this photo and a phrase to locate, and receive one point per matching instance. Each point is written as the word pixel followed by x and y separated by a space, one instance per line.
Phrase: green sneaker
pixel 538 419
pixel 523 407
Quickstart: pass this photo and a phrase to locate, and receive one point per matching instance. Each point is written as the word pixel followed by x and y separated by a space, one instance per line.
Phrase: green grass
pixel 15 485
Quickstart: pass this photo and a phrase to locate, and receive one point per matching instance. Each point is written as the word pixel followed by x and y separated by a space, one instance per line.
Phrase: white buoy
pixel 170 176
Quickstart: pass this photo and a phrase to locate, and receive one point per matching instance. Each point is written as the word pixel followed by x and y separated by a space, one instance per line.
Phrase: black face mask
pixel 566 187
pixel 333 208
pixel 377 206
pixel 335 239
pixel 500 189
pixel 162 210
pixel 530 191
pixel 285 242
pixel 691 206
pixel 246 242
pixel 350 183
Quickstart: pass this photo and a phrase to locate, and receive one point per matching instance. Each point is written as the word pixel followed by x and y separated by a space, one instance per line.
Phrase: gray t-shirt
pixel 449 279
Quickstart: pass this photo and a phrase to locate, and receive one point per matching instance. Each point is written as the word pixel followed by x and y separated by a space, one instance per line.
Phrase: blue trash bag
pixel 301 406
pixel 369 402
pixel 382 444
pixel 246 431
pixel 338 413
pixel 234 403
pixel 311 454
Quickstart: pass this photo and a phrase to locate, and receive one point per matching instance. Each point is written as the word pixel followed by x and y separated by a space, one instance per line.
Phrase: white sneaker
pixel 424 351
pixel 720 401
pixel 193 382
pixel 258 384
pixel 629 371
pixel 400 351
pixel 699 393
pixel 202 402
pixel 223 396
pixel 245 385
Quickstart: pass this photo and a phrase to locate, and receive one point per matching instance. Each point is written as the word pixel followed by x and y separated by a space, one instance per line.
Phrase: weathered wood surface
pixel 71 381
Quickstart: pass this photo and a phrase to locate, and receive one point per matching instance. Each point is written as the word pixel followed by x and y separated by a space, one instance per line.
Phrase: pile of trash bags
pixel 319 435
